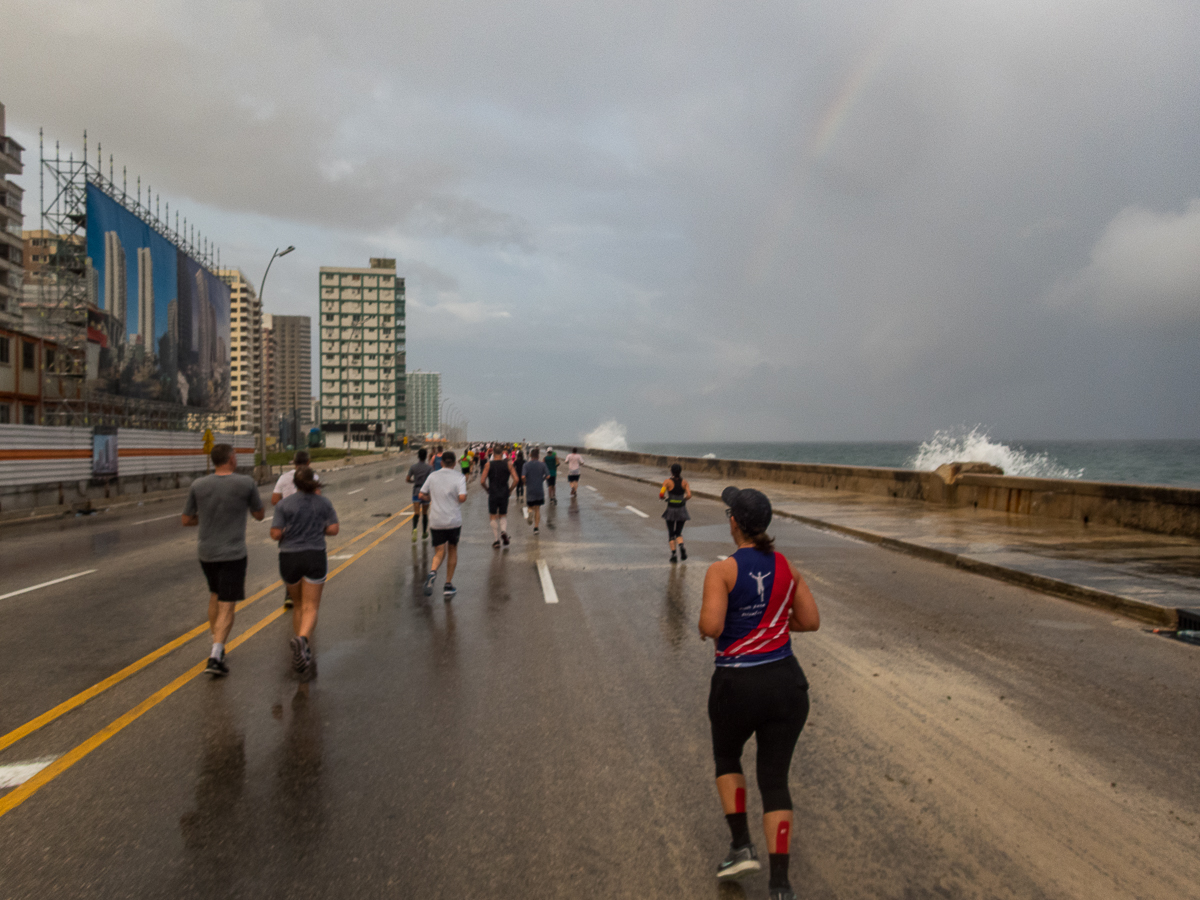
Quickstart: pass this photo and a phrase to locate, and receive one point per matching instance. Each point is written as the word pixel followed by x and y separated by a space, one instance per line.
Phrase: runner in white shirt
pixel 574 462
pixel 285 487
pixel 445 491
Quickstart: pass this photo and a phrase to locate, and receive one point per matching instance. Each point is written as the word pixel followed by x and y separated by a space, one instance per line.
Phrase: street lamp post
pixel 262 355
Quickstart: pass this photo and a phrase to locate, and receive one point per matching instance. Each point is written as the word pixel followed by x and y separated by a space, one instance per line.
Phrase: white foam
pixel 976 445
pixel 608 435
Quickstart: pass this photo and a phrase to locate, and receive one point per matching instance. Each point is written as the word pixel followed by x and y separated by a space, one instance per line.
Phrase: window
pixel 49 358
pixel 4 414
pixel 28 359
pixel 4 351
pixel 28 415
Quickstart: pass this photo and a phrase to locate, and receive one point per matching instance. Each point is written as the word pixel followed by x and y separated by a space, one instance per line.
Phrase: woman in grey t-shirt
pixel 300 525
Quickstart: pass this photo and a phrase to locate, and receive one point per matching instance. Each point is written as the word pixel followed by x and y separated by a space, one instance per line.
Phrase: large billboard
pixel 165 329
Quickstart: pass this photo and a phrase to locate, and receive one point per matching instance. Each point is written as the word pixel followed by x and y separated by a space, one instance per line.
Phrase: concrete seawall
pixel 1162 510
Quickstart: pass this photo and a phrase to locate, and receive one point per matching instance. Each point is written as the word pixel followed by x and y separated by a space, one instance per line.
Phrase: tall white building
pixel 12 262
pixel 145 299
pixel 362 353
pixel 116 284
pixel 245 353
pixel 424 399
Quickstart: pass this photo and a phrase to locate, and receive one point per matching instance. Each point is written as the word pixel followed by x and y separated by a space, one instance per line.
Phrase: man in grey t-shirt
pixel 533 476
pixel 218 504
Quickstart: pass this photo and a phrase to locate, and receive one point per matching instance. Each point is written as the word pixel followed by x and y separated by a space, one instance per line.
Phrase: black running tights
pixel 769 701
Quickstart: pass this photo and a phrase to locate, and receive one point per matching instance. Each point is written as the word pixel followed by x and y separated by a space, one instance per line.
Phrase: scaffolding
pixel 63 297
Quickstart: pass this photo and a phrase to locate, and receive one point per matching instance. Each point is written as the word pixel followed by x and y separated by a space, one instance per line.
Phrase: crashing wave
pixel 608 435
pixel 976 445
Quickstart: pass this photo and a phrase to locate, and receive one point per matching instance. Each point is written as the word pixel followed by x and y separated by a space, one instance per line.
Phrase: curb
pixel 1162 616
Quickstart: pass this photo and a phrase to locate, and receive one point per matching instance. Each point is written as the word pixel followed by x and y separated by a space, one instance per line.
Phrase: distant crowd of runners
pixel 752 600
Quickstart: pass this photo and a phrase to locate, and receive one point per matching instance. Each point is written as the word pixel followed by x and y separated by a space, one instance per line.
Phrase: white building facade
pixel 362 354
pixel 424 397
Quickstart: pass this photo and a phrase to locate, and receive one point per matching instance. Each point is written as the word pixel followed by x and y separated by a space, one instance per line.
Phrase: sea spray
pixel 608 435
pixel 976 445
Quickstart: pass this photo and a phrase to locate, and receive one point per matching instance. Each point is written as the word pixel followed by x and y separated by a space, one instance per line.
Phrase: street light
pixel 262 356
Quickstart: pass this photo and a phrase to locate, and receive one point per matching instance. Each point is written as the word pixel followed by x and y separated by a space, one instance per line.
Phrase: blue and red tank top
pixel 760 604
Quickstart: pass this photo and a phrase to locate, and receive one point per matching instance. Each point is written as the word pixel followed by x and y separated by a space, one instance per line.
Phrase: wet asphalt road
pixel 967 738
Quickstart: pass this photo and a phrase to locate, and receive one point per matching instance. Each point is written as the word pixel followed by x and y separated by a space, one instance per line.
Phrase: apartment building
pixel 424 399
pixel 291 373
pixel 12 269
pixel 362 354
pixel 245 353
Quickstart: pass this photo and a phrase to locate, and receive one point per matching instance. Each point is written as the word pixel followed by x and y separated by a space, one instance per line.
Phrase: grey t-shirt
pixel 535 471
pixel 303 518
pixel 419 472
pixel 221 502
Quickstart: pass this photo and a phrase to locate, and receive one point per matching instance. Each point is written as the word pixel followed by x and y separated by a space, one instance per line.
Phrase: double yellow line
pixel 23 792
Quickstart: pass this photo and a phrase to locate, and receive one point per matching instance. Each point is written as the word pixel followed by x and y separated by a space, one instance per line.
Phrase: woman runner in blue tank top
pixel 753 600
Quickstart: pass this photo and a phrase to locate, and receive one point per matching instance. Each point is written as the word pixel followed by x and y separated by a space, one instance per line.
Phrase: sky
pixel 704 221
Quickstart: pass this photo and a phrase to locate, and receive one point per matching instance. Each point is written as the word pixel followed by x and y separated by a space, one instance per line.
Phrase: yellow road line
pixel 19 795
pixel 133 668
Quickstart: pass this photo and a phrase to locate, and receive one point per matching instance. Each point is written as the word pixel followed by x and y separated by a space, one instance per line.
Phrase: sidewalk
pixel 1145 576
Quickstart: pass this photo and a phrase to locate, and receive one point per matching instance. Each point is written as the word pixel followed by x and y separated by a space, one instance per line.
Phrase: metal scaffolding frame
pixel 65 300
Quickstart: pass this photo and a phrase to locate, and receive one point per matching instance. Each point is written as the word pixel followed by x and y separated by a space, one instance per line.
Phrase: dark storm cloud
pixel 778 221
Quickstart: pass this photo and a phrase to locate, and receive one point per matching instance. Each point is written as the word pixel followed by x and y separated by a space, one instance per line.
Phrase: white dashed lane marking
pixel 634 509
pixel 46 584
pixel 548 591
pixel 16 774
pixel 590 488
pixel 355 491
pixel 388 480
pixel 158 519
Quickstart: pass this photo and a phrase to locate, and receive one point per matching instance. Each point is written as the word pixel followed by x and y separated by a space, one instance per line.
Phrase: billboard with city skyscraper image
pixel 166 334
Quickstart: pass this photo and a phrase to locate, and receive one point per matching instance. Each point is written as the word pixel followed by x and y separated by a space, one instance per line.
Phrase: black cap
pixel 750 508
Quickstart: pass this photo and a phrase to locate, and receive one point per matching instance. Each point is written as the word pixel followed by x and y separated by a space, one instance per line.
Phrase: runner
pixel 574 463
pixel 465 464
pixel 300 524
pixel 535 474
pixel 677 493
pixel 758 686
pixel 417 473
pixel 519 468
pixel 284 488
pixel 437 459
pixel 445 491
pixel 498 479
pixel 218 504
pixel 551 461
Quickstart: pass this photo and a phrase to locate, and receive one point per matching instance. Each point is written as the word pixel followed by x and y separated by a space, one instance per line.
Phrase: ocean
pixel 1173 462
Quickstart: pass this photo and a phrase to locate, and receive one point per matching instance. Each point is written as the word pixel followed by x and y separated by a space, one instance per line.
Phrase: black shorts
pixel 552 480
pixel 769 701
pixel 540 502
pixel 497 506
pixel 439 536
pixel 226 579
pixel 310 565
pixel 572 478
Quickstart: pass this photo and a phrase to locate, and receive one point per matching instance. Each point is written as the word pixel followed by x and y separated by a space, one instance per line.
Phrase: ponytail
pixel 763 542
pixel 306 480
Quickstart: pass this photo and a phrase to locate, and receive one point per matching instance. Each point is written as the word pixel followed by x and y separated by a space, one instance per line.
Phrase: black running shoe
pixel 301 655
pixel 449 590
pixel 739 862
pixel 216 667
pixel 495 545
pixel 682 553
pixel 783 893
pixel 673 559
pixel 504 537
pixel 535 529
pixel 429 580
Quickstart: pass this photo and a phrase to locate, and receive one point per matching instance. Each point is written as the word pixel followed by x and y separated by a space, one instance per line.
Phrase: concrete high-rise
pixel 424 398
pixel 145 299
pixel 245 356
pixel 362 353
pixel 12 270
pixel 291 375
pixel 116 285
